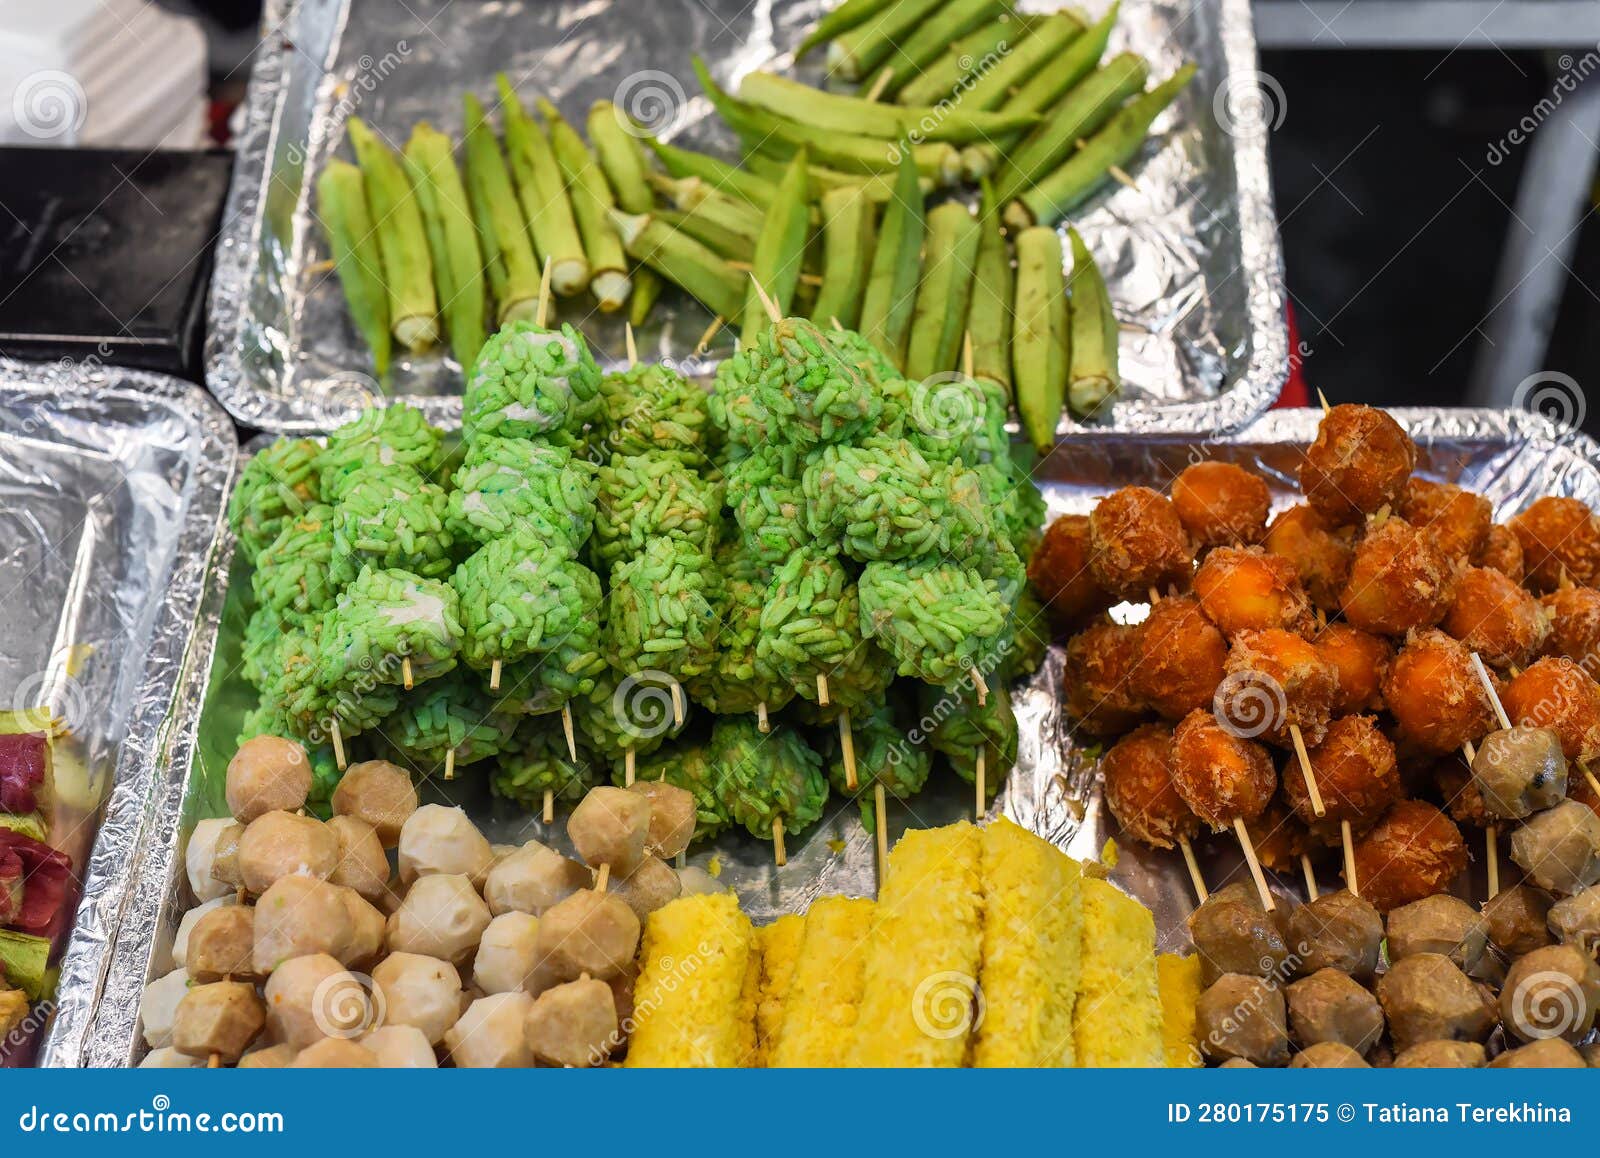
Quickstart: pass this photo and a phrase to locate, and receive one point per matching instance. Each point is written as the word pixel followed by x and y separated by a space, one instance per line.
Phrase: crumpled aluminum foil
pixel 1191 255
pixel 111 485
pixel 1511 456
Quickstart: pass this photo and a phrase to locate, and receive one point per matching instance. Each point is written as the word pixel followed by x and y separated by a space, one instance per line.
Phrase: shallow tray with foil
pixel 1191 255
pixel 111 489
pixel 1513 457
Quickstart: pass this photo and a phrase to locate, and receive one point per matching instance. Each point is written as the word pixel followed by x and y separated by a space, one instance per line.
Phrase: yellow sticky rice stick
pixel 687 1000
pixel 1179 979
pixel 749 999
pixel 819 1015
pixel 1032 938
pixel 779 943
pixel 920 999
pixel 1117 1021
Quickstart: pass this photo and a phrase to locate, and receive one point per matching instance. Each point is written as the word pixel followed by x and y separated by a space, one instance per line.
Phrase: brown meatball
pixel 442 916
pixel 1458 519
pixel 1329 1007
pixel 1321 553
pixel 1557 693
pixel 672 817
pixel 1519 771
pixel 335 1053
pixel 1560 543
pixel 1359 462
pixel 1246 589
pixel 574 1024
pixel 362 863
pixel 1139 789
pixel 1328 1055
pixel 278 844
pixel 1574 626
pixel 1399 580
pixel 1435 696
pixel 1439 924
pixel 1221 504
pixel 1096 682
pixel 609 827
pixel 1426 998
pixel 533 878
pixel 1551 992
pixel 1559 848
pixel 298 916
pixel 1236 936
pixel 1502 551
pixel 1549 1054
pixel 1137 542
pixel 222 943
pixel 1442 1055
pixel 1413 852
pixel 1059 572
pixel 1180 658
pixel 589 932
pixel 1494 617
pixel 650 886
pixel 1276 681
pixel 1516 918
pixel 1338 930
pixel 221 1018
pixel 1357 775
pixel 267 774
pixel 1243 1017
pixel 1362 660
pixel 379 793
pixel 1220 775
pixel 1574 920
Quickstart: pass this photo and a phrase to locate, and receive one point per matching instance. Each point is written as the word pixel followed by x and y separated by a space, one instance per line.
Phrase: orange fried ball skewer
pixel 1221 504
pixel 1286 674
pixel 1362 660
pixel 1559 537
pixel 1399 581
pixel 1359 462
pixel 1180 658
pixel 1137 542
pixel 1225 780
pixel 1502 552
pixel 1246 589
pixel 1097 688
pixel 1556 693
pixel 1432 690
pixel 1414 851
pixel 1574 626
pixel 1321 553
pixel 1494 617
pixel 1458 519
pixel 1357 771
pixel 1141 795
pixel 1059 572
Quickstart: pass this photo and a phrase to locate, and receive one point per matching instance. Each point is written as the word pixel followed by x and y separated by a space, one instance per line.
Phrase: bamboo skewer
pixel 1491 843
pixel 1310 874
pixel 879 85
pixel 1193 866
pixel 450 764
pixel 494 676
pixel 549 806
pixel 405 673
pixel 629 767
pixel 880 814
pixel 978 783
pixel 1251 859
pixel 602 878
pixel 544 296
pixel 338 745
pixel 633 349
pixel 566 727
pixel 1317 806
pixel 847 749
pixel 763 724
pixel 1349 858
pixel 822 690
pixel 779 854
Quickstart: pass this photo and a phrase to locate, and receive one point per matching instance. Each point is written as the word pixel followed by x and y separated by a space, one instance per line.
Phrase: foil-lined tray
pixel 111 485
pixel 1511 456
pixel 1191 254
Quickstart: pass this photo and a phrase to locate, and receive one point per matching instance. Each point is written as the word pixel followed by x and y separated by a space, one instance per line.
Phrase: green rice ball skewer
pixel 978 737
pixel 392 517
pixel 274 486
pixel 769 783
pixel 738 682
pixel 540 769
pixel 317 712
pixel 625 718
pixel 299 574
pixel 385 614
pixel 644 496
pixel 651 407
pixel 511 485
pixel 386 436
pixel 448 723
pixel 530 381
pixel 659 614
pixel 934 618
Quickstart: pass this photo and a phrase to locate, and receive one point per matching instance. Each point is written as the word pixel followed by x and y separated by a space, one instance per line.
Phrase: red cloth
pixel 33 882
pixel 24 764
pixel 1295 391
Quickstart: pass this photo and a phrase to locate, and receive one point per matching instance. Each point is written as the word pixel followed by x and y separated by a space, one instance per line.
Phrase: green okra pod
pixel 1087 107
pixel 543 192
pixel 646 290
pixel 940 316
pixel 453 238
pixel 615 138
pixel 891 296
pixel 849 221
pixel 837 113
pixel 878 189
pixel 839 20
pixel 1092 377
pixel 1039 344
pixel 709 233
pixel 683 261
pixel 721 175
pixel 502 230
pixel 1049 38
pixel 1116 144
pixel 693 195
pixel 402 239
pixel 592 206
pixel 953 20
pixel 342 208
pixel 973 54
pixel 993 290
pixel 856 53
pixel 780 252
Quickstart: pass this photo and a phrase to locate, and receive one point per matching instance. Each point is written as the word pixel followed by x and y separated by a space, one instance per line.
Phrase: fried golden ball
pixel 1496 618
pixel 1220 775
pixel 1435 696
pixel 1458 519
pixel 1096 686
pixel 1139 788
pixel 1221 504
pixel 1559 537
pixel 1320 551
pixel 1399 580
pixel 1246 589
pixel 1137 542
pixel 1359 462
pixel 1180 658
pixel 1277 680
pixel 1556 693
pixel 1413 852
pixel 1361 659
pixel 1502 551
pixel 1059 572
pixel 1357 775
pixel 1574 626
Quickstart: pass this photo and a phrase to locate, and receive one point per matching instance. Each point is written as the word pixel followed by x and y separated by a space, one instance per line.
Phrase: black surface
pixel 106 255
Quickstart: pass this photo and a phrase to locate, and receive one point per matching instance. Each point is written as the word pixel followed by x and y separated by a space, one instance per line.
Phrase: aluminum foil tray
pixel 111 485
pixel 1191 254
pixel 1512 457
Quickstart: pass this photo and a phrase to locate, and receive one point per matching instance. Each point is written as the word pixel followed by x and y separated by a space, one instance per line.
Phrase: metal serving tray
pixel 1512 457
pixel 1191 254
pixel 111 485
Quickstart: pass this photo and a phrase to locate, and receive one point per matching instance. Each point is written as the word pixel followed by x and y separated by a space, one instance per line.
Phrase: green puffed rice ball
pixel 650 407
pixel 620 715
pixel 313 708
pixel 737 681
pixel 389 436
pixel 449 714
pixel 886 501
pixel 886 752
pixel 539 762
pixel 769 503
pixel 547 681
pixel 529 381
pixel 299 574
pixel 811 394
pixel 509 486
pixel 384 618
pixel 933 617
pixel 649 496
pixel 743 422
pixel 892 386
pixel 659 614
pixel 959 729
pixel 274 486
pixel 811 626
pixel 394 518
pixel 520 597
pixel 766 777
pixel 263 632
